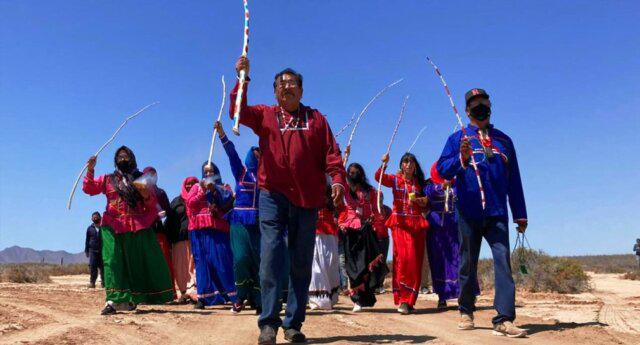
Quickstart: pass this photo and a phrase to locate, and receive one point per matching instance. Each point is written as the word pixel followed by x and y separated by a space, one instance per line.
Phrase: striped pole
pixel 344 128
pixel 416 139
pixel 464 131
pixel 393 136
pixel 347 150
pixel 243 74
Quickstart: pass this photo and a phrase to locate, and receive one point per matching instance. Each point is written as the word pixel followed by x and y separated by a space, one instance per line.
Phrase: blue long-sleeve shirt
pixel 500 175
pixel 245 210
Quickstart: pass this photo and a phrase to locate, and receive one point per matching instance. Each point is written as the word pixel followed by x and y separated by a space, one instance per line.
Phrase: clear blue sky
pixel 563 78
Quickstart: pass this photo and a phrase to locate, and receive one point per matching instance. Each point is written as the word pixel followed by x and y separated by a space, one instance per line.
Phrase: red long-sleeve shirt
pixel 297 151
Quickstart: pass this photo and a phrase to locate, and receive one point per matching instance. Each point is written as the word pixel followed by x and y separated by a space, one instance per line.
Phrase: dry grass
pixel 544 273
pixel 607 263
pixel 38 273
pixel 633 275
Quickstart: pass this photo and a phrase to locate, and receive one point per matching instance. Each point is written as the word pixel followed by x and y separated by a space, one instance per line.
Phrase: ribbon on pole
pixel 393 136
pixel 243 74
pixel 347 150
pixel 462 127
pixel 416 139
pixel 75 184
pixel 215 130
pixel 344 128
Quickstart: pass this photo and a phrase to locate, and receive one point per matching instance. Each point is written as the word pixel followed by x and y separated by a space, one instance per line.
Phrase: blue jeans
pixel 496 232
pixel 278 215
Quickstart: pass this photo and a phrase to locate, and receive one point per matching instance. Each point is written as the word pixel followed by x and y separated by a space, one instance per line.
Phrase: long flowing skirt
pixel 408 254
pixel 184 269
pixel 214 266
pixel 245 244
pixel 325 273
pixel 135 270
pixel 364 263
pixel 165 246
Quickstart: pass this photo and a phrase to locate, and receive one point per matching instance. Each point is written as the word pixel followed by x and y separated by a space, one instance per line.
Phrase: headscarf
pixel 184 192
pixel 122 181
pixel 250 161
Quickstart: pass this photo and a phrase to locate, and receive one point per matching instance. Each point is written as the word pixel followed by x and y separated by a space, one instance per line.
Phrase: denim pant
pixel 278 215
pixel 496 232
pixel 95 265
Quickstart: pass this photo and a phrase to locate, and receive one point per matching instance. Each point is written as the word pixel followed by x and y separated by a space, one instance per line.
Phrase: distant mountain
pixel 17 254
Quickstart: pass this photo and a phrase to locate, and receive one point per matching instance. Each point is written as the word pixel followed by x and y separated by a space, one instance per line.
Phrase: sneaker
pixel 294 336
pixel 442 304
pixel 466 322
pixel 236 308
pixel 199 305
pixel 108 310
pixel 508 329
pixel 91 285
pixel 403 309
pixel 382 290
pixel 357 308
pixel 267 336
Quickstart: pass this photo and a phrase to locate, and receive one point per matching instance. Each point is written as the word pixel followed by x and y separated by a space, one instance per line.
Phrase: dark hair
pixel 96 213
pixel 418 174
pixel 288 71
pixel 365 185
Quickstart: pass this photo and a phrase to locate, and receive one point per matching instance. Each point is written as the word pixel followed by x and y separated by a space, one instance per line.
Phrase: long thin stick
pixel 393 136
pixel 75 184
pixel 364 111
pixel 464 131
pixel 243 73
pixel 344 128
pixel 416 139
pixel 215 129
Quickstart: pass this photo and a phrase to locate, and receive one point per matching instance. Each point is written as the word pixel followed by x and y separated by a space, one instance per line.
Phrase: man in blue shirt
pixel 497 164
pixel 93 249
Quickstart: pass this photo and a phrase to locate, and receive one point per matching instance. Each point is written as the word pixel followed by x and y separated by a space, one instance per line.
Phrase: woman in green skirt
pixel 135 270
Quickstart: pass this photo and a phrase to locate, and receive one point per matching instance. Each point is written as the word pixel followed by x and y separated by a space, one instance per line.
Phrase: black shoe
pixel 293 335
pixel 199 305
pixel 108 310
pixel 442 304
pixel 267 336
pixel 258 310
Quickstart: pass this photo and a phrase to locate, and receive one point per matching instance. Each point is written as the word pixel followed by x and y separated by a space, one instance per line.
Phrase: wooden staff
pixel 215 130
pixel 75 184
pixel 393 136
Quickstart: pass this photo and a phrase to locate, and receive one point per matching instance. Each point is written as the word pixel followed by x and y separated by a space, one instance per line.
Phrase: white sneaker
pixel 403 309
pixel 357 308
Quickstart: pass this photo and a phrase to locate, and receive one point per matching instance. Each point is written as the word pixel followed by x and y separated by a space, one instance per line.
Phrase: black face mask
pixel 96 221
pixel 125 166
pixel 481 112
pixel 356 178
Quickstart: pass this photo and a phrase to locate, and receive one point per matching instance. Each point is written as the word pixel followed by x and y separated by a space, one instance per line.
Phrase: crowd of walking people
pixel 277 237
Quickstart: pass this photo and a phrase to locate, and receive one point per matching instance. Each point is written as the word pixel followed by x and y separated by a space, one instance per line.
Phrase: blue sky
pixel 563 79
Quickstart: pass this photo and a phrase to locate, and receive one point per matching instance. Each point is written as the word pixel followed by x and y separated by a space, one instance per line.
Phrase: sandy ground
pixel 65 312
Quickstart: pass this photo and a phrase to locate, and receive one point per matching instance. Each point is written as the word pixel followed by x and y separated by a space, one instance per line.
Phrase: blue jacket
pixel 245 210
pixel 93 241
pixel 499 174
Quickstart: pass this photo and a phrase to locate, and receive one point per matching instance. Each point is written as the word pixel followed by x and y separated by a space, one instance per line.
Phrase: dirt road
pixel 65 312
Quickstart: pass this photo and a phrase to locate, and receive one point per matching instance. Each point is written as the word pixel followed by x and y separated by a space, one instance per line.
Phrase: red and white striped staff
pixel 416 139
pixel 344 128
pixel 393 136
pixel 464 131
pixel 242 74
pixel 347 150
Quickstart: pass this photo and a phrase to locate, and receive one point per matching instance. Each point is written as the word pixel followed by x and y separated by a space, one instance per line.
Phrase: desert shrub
pixel 543 273
pixel 24 273
pixel 38 273
pixel 607 263
pixel 633 275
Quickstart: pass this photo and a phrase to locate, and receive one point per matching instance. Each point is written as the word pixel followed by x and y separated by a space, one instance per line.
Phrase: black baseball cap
pixel 475 92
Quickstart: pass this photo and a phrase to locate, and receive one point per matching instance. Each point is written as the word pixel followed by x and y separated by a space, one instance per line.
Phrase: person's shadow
pixel 561 326
pixel 373 339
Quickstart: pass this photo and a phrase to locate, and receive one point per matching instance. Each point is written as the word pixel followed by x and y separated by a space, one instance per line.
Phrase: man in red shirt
pixel 298 149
